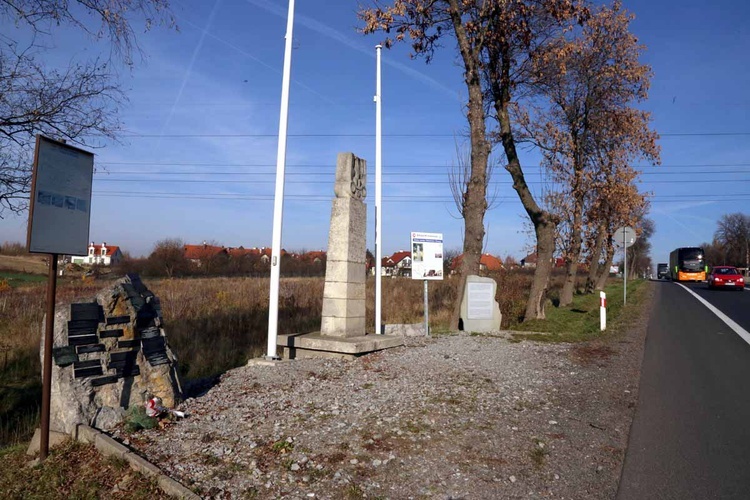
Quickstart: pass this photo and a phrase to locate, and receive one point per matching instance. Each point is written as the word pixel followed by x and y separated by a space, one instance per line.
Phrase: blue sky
pixel 198 158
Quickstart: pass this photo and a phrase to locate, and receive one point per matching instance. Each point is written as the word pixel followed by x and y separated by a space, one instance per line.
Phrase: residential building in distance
pixel 487 263
pixel 105 255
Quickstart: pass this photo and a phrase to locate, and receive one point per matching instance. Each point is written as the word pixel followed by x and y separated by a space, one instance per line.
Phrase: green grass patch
pixel 20 279
pixel 580 321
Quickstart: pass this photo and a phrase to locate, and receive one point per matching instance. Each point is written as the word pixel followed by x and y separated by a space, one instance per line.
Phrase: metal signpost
pixel 378 196
pixel 59 219
pixel 626 236
pixel 426 264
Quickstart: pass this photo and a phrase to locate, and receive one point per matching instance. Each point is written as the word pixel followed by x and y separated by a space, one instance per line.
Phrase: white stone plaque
pixel 481 300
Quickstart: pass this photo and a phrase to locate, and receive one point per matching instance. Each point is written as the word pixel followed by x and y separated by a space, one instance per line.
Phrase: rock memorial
pixel 108 354
pixel 480 312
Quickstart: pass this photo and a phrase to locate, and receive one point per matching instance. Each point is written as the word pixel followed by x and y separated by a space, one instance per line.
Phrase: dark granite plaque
pixel 118 320
pixel 88 372
pixel 127 344
pixel 82 326
pixel 158 360
pixel 150 332
pixel 86 311
pixel 131 371
pixel 109 379
pixel 121 355
pixel 108 334
pixel 65 355
pixel 87 368
pixel 83 349
pixel 83 339
pixel 87 364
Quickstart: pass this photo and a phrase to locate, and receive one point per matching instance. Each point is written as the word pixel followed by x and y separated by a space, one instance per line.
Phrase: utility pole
pixel 278 200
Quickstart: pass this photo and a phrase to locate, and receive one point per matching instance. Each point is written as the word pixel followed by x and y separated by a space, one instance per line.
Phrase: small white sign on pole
pixel 426 256
pixel 60 210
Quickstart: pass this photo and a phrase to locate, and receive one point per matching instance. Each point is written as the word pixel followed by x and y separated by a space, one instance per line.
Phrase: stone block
pixel 347 235
pixel 109 447
pixel 343 308
pixel 175 489
pixel 480 312
pixel 84 433
pixel 342 327
pixel 141 465
pixel 342 271
pixel 357 345
pixel 55 439
pixel 406 330
pixel 338 290
pixel 345 272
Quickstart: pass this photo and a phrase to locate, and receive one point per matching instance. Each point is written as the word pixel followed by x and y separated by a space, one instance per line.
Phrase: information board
pixel 426 256
pixel 481 300
pixel 60 210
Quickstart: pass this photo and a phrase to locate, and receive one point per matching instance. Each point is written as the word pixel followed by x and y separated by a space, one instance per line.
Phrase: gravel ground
pixel 457 416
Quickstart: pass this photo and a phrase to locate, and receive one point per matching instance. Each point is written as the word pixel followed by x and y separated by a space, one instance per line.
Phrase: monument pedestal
pixel 315 345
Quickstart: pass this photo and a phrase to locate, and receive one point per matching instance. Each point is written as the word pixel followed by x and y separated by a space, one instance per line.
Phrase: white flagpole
pixel 278 201
pixel 378 198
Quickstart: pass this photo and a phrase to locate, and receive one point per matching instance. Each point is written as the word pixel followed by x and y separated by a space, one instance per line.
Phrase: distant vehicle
pixel 687 264
pixel 726 277
pixel 662 271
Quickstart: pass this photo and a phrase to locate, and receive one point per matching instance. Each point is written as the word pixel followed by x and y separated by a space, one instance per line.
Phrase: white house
pixel 99 254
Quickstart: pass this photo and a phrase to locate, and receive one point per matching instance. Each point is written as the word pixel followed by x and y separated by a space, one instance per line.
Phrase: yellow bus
pixel 687 264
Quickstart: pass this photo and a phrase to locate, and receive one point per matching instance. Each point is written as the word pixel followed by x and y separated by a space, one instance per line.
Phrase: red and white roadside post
pixel 602 311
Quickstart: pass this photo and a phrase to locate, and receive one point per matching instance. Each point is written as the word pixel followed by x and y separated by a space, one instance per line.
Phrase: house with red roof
pixel 487 263
pixel 199 253
pixel 398 264
pixel 105 255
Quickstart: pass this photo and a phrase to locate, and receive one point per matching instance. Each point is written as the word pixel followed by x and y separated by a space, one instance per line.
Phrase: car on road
pixel 726 277
pixel 662 271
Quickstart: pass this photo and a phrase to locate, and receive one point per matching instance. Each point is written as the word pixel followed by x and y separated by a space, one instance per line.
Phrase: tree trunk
pixel 601 281
pixel 594 260
pixel 571 270
pixel 545 249
pixel 475 200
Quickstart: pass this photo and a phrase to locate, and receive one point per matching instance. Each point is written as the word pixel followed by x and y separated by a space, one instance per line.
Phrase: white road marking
pixel 726 319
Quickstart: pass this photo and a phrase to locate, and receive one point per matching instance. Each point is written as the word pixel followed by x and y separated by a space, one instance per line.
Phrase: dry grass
pixel 213 324
pixel 34 264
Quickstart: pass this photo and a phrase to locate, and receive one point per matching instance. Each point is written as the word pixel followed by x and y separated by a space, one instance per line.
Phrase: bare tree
pixel 168 258
pixel 733 234
pixel 77 103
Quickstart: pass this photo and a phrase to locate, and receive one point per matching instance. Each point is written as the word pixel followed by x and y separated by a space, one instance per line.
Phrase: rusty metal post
pixel 49 328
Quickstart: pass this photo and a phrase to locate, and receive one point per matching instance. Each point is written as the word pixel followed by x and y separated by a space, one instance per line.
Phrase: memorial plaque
pixel 108 334
pixel 118 320
pixel 109 379
pixel 83 339
pixel 127 344
pixel 84 349
pixel 86 311
pixel 129 371
pixel 64 356
pixel 123 356
pixel 481 300
pixel 89 368
pixel 150 332
pixel 82 326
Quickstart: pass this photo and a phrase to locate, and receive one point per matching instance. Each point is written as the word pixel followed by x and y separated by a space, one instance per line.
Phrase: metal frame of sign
pixel 60 204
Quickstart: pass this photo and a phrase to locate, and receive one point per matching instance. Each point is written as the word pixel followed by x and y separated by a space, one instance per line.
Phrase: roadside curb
pixel 111 448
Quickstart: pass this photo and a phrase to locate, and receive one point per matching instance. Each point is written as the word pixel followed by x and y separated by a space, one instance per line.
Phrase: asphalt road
pixel 690 438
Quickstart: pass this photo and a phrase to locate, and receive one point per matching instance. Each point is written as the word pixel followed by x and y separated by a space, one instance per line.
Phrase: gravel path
pixel 458 416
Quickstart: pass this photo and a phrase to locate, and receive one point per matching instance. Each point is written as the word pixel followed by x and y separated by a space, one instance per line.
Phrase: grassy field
pixel 27 264
pixel 215 324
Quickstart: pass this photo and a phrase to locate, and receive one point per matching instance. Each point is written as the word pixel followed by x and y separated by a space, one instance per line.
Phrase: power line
pixel 493 183
pixel 420 174
pixel 371 135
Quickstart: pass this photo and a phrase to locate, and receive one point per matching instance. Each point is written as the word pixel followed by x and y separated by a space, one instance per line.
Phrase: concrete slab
pixel 327 346
pixel 55 438
pixel 109 447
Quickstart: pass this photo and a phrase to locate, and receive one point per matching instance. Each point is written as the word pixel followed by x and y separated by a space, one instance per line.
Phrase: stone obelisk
pixel 344 292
